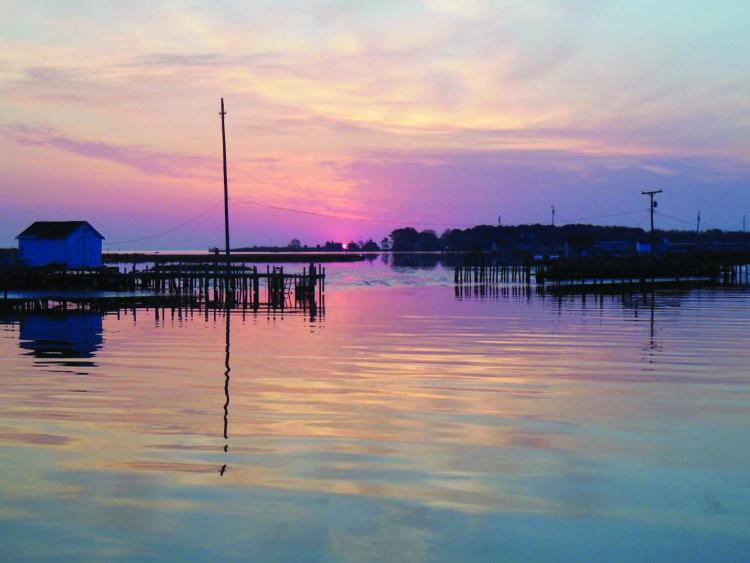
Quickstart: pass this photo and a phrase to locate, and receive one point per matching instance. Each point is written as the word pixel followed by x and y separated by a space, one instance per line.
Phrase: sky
pixel 346 119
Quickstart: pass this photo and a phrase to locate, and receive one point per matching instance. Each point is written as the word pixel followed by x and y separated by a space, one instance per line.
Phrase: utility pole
pixel 743 222
pixel 499 220
pixel 553 214
pixel 226 187
pixel 698 225
pixel 652 206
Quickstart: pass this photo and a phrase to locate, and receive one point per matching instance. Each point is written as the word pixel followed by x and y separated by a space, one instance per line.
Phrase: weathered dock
pixel 596 274
pixel 481 270
pixel 211 284
pixel 669 270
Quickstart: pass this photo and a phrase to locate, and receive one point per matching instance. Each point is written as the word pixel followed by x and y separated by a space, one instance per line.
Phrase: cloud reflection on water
pixel 554 407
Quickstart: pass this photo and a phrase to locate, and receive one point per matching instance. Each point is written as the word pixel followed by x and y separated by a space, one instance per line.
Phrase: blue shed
pixel 75 244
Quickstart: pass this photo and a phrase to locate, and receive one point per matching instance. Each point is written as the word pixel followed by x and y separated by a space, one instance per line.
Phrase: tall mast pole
pixel 226 186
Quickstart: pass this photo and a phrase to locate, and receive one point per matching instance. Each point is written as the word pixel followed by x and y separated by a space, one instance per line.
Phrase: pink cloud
pixel 138 157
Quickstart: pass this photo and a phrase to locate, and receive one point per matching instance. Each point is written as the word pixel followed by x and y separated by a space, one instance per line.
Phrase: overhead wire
pixel 605 216
pixel 349 218
pixel 168 231
pixel 366 219
pixel 673 218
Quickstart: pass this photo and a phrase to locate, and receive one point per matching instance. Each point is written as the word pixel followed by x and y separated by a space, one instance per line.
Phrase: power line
pixel 287 209
pixel 409 222
pixel 349 218
pixel 168 231
pixel 339 217
pixel 685 221
pixel 404 222
pixel 605 216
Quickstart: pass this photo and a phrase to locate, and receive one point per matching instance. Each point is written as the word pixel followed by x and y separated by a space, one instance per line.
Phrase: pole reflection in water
pixel 227 371
pixel 408 425
pixel 652 348
pixel 652 342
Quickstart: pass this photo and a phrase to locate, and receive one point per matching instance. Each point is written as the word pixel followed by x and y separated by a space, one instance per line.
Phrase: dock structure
pixel 598 274
pixel 482 270
pixel 236 283
pixel 499 274
pixel 209 284
pixel 480 274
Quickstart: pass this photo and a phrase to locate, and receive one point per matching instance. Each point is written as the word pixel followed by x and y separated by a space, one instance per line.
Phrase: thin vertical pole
pixel 651 209
pixel 653 238
pixel 652 214
pixel 226 186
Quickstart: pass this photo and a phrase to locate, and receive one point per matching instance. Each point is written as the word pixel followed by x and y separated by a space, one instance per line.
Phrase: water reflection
pixel 417 260
pixel 227 371
pixel 64 339
pixel 410 424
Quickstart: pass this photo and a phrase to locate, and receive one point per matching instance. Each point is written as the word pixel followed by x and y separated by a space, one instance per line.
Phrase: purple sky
pixel 369 115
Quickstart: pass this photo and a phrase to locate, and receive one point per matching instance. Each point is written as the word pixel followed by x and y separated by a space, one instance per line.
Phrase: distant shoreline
pixel 300 257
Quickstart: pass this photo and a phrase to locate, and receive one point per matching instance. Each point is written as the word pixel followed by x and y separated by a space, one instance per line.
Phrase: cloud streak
pixel 450 107
pixel 143 159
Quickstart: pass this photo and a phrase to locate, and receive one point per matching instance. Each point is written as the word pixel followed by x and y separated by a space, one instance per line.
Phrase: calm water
pixel 404 425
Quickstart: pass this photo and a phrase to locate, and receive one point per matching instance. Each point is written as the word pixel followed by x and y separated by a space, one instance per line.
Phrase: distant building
pixel 643 247
pixel 74 244
pixel 615 248
pixel 579 246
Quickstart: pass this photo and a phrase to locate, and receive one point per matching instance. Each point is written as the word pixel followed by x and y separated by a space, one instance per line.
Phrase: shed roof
pixel 55 229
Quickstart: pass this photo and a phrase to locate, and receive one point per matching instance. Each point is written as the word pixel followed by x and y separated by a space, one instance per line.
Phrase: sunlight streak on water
pixel 404 425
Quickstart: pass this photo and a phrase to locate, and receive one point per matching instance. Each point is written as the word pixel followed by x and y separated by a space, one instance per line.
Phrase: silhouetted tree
pixel 404 239
pixel 427 241
pixel 331 246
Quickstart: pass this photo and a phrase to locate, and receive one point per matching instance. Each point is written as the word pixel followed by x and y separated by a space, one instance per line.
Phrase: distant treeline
pixel 330 246
pixel 489 237
pixel 517 238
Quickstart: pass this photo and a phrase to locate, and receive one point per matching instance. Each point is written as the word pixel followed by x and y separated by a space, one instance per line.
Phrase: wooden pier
pixel 597 274
pixel 672 270
pixel 211 284
pixel 493 274
pixel 481 270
